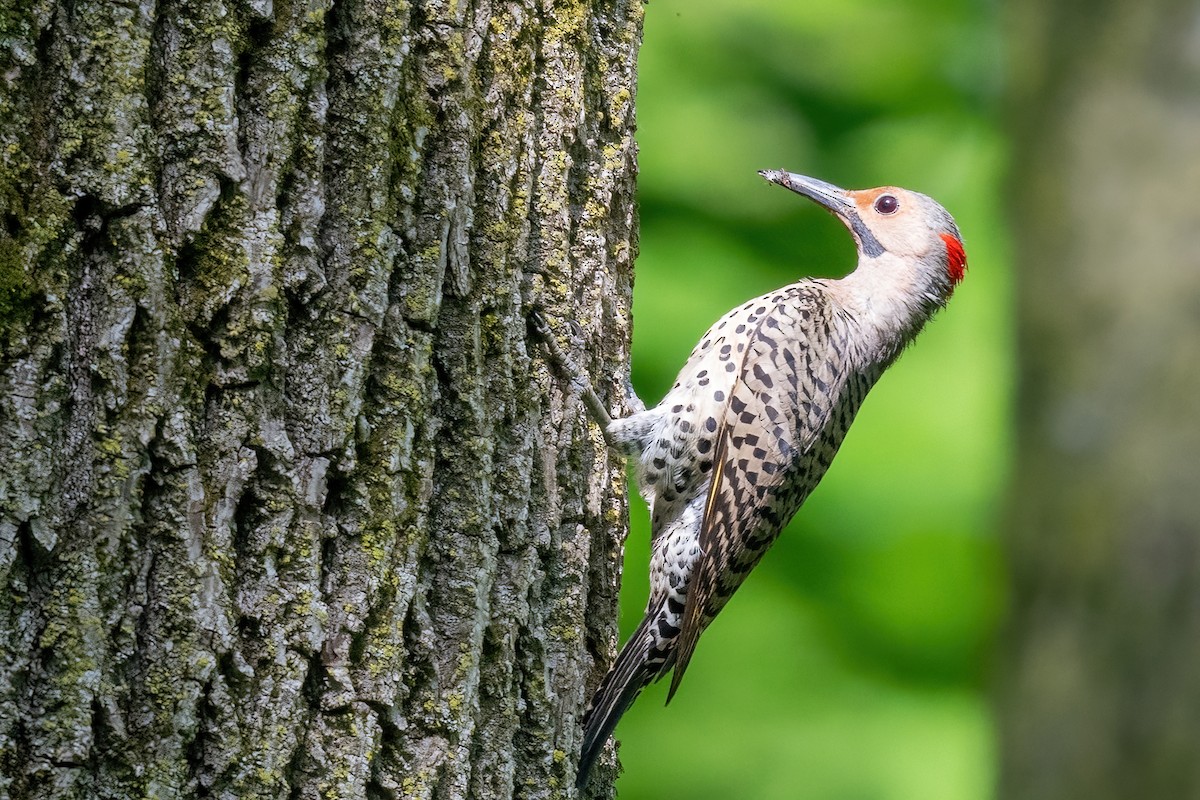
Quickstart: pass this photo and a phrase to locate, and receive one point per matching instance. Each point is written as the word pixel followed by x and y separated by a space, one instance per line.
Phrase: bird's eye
pixel 887 204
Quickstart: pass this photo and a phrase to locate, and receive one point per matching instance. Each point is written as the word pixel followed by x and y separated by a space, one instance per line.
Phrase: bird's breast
pixel 678 462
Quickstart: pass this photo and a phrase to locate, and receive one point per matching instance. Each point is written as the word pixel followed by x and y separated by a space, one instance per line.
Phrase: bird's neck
pixel 887 304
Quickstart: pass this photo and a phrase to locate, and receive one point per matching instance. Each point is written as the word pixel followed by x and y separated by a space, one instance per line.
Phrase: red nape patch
pixel 957 264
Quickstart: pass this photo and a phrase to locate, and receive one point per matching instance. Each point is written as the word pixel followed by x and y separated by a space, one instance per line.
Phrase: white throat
pixel 890 299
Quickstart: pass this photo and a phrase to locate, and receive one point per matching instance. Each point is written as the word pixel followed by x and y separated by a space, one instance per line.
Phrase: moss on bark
pixel 291 507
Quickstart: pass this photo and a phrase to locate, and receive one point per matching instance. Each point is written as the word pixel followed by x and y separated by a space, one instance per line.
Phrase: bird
pixel 755 418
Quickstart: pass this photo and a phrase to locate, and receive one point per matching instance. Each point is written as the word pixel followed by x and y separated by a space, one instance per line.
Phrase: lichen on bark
pixel 291 506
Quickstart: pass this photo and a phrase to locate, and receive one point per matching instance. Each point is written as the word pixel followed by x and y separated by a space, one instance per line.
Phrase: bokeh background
pixel 853 664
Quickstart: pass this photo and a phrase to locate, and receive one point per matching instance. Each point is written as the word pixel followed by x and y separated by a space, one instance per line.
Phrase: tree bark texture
pixel 1100 683
pixel 291 505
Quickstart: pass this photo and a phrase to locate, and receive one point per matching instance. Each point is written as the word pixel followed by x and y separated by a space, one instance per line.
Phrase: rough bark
pixel 1100 687
pixel 291 506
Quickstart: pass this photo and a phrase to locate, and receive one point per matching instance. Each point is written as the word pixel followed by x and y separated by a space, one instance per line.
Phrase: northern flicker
pixel 756 416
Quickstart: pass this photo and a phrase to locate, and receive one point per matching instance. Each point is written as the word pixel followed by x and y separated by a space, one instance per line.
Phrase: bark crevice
pixel 292 507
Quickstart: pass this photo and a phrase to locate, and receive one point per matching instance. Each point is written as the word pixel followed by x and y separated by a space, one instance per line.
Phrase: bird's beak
pixel 826 194
pixel 833 198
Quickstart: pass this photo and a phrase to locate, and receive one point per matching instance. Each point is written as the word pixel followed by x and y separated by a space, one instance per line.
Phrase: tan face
pixel 910 224
pixel 888 219
pixel 896 217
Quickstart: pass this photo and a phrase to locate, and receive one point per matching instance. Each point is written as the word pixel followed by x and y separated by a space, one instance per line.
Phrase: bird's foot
pixel 566 367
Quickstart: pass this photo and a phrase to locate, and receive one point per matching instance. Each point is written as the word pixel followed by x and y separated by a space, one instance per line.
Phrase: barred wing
pixel 771 448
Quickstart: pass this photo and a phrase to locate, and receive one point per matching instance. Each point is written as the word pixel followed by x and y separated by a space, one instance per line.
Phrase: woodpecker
pixel 756 417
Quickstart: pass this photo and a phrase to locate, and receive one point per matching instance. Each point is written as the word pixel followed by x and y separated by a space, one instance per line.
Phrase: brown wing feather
pixel 775 412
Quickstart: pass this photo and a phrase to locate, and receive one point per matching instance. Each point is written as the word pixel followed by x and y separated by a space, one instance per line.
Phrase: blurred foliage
pixel 851 665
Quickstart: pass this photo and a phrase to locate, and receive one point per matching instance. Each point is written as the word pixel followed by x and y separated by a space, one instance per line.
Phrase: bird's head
pixel 907 231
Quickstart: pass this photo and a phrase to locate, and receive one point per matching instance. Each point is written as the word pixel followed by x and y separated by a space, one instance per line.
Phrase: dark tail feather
pixel 620 687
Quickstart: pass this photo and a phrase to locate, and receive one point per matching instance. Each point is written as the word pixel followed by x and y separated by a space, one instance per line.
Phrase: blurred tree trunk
pixel 291 506
pixel 1100 689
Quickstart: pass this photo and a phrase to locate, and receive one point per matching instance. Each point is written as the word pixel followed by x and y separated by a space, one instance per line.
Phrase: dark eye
pixel 887 204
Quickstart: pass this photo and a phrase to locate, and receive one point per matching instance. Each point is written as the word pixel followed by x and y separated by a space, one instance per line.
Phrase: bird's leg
pixel 566 367
pixel 628 434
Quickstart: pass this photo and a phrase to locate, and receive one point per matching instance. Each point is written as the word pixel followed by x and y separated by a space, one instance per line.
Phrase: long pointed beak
pixel 826 194
pixel 833 198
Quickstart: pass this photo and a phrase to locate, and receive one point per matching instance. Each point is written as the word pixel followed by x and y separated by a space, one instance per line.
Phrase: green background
pixel 853 664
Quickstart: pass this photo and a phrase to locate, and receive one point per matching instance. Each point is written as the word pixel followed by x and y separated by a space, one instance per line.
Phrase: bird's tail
pixel 635 667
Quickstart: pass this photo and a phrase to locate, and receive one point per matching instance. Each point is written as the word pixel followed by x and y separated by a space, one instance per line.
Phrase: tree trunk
pixel 292 507
pixel 1100 689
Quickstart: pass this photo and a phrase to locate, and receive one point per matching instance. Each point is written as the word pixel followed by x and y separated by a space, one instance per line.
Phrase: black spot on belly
pixel 763 376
